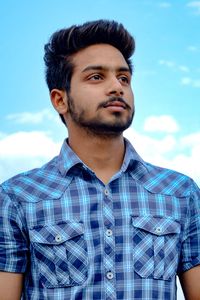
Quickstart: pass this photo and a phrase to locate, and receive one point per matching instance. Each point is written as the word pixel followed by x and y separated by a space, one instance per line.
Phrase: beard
pixel 98 127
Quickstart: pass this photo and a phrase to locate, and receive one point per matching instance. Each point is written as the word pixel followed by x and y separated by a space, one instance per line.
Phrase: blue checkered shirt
pixel 75 238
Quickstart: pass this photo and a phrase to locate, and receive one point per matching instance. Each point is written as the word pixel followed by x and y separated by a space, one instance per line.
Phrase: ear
pixel 59 100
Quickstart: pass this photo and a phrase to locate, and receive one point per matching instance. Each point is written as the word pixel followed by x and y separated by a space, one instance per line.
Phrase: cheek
pixel 130 96
pixel 84 94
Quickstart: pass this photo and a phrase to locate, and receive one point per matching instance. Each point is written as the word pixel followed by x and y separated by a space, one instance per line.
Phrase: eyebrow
pixel 104 68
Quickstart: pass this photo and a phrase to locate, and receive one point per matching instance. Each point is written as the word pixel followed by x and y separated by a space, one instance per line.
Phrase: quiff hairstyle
pixel 66 42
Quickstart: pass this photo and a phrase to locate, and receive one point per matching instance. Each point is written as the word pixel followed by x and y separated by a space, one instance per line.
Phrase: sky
pixel 166 80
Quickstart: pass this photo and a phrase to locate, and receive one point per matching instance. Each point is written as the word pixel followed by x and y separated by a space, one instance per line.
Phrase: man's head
pixel 66 43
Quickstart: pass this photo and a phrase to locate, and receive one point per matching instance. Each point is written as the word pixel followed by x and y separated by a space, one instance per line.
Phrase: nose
pixel 114 87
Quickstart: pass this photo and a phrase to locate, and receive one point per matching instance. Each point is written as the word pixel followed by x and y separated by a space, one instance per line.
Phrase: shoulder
pixel 167 181
pixel 35 184
pixel 159 180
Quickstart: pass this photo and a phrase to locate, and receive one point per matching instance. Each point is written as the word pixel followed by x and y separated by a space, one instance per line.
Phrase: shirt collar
pixel 68 159
pixel 133 162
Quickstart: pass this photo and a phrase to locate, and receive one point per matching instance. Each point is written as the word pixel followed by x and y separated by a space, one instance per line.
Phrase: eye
pixel 95 77
pixel 124 79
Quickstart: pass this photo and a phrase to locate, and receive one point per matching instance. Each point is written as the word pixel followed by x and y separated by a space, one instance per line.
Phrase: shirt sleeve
pixel 190 251
pixel 13 241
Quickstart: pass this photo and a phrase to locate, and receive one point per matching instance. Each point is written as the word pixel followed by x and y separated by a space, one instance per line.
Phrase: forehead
pixel 100 54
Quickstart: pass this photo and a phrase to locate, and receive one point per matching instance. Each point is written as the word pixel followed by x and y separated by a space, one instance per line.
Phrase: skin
pixel 10 286
pixel 190 282
pixel 102 151
pixel 100 73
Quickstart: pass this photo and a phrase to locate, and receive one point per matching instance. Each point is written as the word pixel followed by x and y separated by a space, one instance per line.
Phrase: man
pixel 97 222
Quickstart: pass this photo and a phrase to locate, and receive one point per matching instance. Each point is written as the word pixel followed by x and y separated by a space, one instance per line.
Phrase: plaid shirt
pixel 76 238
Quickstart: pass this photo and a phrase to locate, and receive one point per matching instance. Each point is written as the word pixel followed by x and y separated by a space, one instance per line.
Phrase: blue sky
pixel 167 70
pixel 166 80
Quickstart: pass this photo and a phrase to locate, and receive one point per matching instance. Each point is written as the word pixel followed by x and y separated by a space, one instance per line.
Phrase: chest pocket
pixel 60 254
pixel 155 246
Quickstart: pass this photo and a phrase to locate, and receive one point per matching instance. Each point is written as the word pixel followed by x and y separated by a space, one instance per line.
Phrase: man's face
pixel 100 98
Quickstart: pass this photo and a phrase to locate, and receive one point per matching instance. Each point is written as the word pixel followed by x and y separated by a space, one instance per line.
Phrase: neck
pixel 103 155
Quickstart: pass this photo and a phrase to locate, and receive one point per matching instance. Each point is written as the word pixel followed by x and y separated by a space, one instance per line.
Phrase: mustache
pixel 113 99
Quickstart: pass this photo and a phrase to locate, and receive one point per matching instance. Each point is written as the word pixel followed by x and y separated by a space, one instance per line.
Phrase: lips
pixel 115 104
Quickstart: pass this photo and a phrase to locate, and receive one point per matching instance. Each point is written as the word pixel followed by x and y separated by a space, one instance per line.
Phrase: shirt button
pixel 109 232
pixel 109 275
pixel 106 192
pixel 158 230
pixel 58 238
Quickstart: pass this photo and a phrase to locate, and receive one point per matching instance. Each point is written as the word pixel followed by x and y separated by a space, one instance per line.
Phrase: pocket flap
pixel 55 234
pixel 156 225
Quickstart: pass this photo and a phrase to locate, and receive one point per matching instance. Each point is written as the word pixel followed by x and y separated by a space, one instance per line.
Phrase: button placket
pixel 109 246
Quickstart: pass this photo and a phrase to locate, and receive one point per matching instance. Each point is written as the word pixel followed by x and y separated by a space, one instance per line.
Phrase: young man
pixel 97 222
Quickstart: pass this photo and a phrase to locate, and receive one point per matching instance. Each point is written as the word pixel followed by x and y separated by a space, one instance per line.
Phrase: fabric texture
pixel 76 238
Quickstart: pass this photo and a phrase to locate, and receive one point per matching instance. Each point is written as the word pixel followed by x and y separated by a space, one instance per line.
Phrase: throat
pixel 103 156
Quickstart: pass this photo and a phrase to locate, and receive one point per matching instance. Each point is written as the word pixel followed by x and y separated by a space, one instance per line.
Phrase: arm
pixel 13 248
pixel 10 286
pixel 189 265
pixel 190 282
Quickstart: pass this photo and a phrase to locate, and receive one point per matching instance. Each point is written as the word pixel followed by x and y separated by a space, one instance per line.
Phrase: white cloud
pixel 31 144
pixel 186 81
pixel 22 151
pixel 190 82
pixel 191 140
pixel 2 135
pixel 192 48
pixel 152 146
pixel 33 118
pixel 168 153
pixel 147 72
pixel 195 5
pixel 173 66
pixel 165 4
pixel 167 63
pixel 183 68
pixel 162 123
